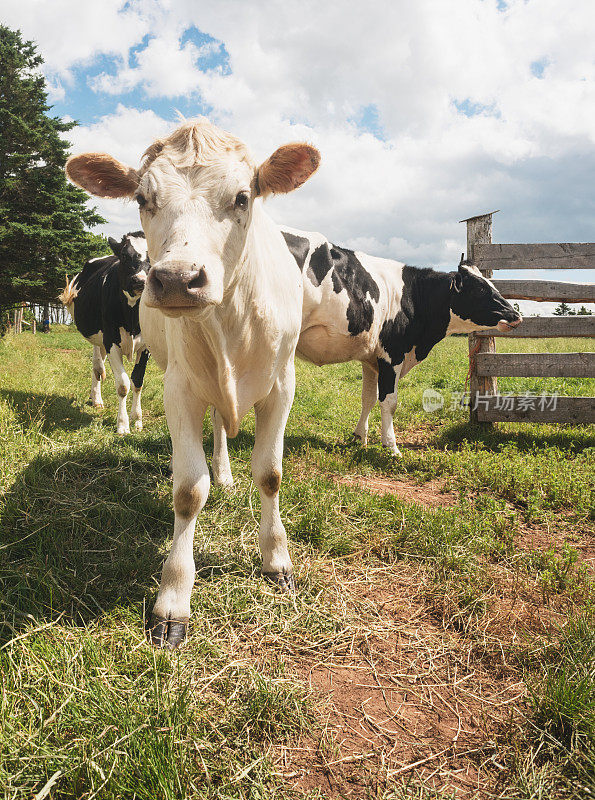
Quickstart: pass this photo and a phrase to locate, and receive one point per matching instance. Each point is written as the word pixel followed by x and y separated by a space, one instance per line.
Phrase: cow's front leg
pixel 122 388
pixel 369 399
pixel 169 621
pixel 388 380
pixel 221 466
pixel 137 377
pixel 99 355
pixel 271 418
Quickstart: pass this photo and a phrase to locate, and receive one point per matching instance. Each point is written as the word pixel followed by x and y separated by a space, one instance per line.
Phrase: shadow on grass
pixel 53 410
pixel 573 439
pixel 243 443
pixel 85 532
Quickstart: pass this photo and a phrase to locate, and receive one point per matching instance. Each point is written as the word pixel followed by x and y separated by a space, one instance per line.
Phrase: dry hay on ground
pixel 400 698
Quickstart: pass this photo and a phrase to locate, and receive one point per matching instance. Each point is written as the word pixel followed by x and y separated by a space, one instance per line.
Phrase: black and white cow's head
pixel 475 303
pixel 134 264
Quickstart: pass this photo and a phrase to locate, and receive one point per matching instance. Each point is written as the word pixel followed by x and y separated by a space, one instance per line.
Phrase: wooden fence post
pixel 479 231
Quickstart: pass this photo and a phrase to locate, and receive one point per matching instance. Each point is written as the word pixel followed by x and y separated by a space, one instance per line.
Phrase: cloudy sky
pixel 425 112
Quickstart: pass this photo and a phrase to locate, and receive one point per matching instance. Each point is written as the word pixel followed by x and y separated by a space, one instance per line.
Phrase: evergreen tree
pixel 42 217
pixel 563 310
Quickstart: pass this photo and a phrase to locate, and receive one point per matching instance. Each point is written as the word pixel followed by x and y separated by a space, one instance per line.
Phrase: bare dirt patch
pixel 403 699
pixel 430 494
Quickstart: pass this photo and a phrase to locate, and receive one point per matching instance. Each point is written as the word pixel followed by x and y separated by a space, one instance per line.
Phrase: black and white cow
pixel 385 314
pixel 103 301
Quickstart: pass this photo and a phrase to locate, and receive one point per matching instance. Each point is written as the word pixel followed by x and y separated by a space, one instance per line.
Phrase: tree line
pixel 44 220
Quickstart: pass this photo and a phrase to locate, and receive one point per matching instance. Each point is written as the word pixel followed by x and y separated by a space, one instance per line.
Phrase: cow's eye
pixel 140 200
pixel 242 199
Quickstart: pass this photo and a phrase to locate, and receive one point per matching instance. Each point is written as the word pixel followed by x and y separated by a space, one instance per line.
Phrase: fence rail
pixel 501 408
pixel 535 256
pixel 536 365
pixel 547 328
pixel 546 290
pixel 486 365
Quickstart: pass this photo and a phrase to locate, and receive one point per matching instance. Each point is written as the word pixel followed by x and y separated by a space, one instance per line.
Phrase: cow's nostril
pixel 199 279
pixel 156 282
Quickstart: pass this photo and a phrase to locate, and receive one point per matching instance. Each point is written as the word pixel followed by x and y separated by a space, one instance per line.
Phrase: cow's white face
pixel 195 192
pixel 196 220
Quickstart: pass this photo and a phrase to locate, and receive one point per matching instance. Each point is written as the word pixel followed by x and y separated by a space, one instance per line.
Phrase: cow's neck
pixel 423 317
pixel 236 342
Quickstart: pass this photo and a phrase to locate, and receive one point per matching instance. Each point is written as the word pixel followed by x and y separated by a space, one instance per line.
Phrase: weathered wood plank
pixel 536 365
pixel 503 408
pixel 569 255
pixel 548 328
pixel 547 290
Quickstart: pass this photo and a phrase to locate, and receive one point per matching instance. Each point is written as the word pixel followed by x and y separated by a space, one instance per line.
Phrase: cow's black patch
pixel 386 379
pixel 348 274
pixel 138 373
pixel 299 247
pixel 423 318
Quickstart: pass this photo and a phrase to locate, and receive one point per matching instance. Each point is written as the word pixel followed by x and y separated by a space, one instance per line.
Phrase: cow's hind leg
pixel 369 399
pixel 98 376
pixel 169 622
pixel 271 418
pixel 122 387
pixel 137 377
pixel 221 466
pixel 388 379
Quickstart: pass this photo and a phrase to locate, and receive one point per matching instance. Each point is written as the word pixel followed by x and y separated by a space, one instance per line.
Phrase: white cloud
pixel 70 32
pixel 165 68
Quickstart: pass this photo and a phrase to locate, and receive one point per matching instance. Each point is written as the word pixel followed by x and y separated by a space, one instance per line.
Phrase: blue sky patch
pixel 368 120
pixel 470 109
pixel 216 57
pixel 538 67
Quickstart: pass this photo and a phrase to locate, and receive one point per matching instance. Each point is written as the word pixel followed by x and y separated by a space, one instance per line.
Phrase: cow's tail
pixel 68 294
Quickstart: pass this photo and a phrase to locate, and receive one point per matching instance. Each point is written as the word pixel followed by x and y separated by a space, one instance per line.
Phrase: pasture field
pixel 441 644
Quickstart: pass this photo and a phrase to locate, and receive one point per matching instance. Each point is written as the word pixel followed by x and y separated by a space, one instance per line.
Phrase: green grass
pixel 86 521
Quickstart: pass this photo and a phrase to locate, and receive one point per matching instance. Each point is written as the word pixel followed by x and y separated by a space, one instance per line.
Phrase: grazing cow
pixel 385 314
pixel 103 301
pixel 221 314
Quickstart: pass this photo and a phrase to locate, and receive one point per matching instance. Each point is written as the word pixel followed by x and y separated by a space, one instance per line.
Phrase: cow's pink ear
pixel 102 175
pixel 288 167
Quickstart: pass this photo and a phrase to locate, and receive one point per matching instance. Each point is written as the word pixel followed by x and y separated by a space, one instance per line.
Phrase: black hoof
pixel 166 634
pixel 283 581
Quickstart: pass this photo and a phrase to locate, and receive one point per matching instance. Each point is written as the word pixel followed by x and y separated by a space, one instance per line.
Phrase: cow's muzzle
pixel 508 325
pixel 170 289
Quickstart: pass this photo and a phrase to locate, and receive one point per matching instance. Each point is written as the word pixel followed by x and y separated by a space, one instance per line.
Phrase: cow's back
pixel 347 297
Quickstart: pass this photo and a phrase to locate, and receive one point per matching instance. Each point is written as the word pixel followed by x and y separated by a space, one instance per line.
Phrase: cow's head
pixel 475 303
pixel 196 191
pixel 134 264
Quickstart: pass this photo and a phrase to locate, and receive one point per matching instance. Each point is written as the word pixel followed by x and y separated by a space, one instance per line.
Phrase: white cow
pixel 221 313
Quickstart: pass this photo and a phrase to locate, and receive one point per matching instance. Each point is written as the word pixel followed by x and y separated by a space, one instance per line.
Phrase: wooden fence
pixel 57 315
pixel 486 405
